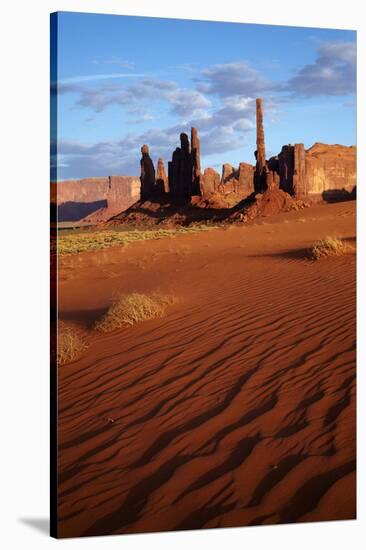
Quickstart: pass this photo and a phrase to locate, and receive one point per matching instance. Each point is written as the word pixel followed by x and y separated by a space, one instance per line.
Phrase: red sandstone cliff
pixel 330 169
pixel 96 199
pixel 321 172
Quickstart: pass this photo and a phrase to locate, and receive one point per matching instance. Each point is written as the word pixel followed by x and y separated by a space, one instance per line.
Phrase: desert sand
pixel 238 407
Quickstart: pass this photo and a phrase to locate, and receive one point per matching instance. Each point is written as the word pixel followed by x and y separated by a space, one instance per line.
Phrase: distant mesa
pixel 322 172
pixel 94 200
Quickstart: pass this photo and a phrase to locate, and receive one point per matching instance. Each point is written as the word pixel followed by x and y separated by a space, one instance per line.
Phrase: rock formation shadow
pixel 339 195
pixel 74 211
pixel 169 209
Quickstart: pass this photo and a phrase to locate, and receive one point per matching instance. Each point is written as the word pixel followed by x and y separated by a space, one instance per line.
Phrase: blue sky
pixel 124 81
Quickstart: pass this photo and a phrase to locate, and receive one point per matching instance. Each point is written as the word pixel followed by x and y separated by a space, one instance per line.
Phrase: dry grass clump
pixel 132 308
pixel 330 246
pixel 81 241
pixel 69 344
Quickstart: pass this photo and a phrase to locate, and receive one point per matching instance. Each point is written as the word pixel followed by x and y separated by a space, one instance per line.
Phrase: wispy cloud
pixel 186 67
pixel 91 77
pixel 123 63
pixel 183 102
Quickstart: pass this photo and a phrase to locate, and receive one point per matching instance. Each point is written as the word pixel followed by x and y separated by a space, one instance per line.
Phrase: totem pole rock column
pixel 174 171
pixel 147 177
pixel 261 151
pixel 196 163
pixel 185 174
pixel 260 175
pixel 162 185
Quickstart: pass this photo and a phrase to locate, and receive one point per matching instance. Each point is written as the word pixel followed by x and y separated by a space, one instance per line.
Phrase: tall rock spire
pixel 196 162
pixel 260 154
pixel 147 176
pixel 261 150
pixel 161 178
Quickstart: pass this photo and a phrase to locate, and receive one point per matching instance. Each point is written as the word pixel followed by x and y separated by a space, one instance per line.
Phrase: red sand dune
pixel 238 407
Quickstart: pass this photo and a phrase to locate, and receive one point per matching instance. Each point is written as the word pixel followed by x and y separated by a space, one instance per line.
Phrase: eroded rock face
pixel 210 182
pixel 330 171
pixel 272 180
pixel 97 198
pixel 184 170
pixel 286 168
pixel 299 183
pixel 246 179
pixel 261 150
pixel 321 172
pixel 239 181
pixel 196 162
pixel 228 173
pixel 260 153
pixel 185 174
pixel 174 172
pixel 162 185
pixel 147 176
pixel 273 164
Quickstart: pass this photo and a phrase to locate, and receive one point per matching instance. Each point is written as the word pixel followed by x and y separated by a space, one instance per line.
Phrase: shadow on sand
pixel 303 254
pixel 85 318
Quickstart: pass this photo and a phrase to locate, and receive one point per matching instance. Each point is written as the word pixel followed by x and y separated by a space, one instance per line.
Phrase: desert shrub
pixel 69 344
pixel 330 246
pixel 133 308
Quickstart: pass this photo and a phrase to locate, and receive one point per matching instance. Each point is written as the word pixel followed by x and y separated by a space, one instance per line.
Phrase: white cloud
pixel 184 102
pixel 233 79
pixel 332 74
pixel 187 103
